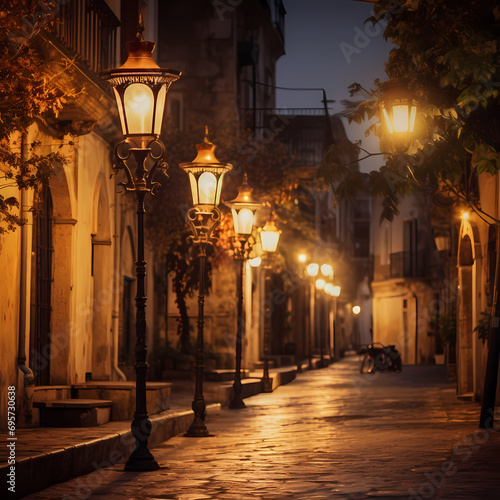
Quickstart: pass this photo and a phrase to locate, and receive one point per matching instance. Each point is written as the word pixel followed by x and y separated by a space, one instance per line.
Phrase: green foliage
pixel 483 325
pixel 445 325
pixel 447 57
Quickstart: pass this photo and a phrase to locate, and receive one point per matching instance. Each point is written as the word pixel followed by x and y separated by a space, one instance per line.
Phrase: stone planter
pixel 439 359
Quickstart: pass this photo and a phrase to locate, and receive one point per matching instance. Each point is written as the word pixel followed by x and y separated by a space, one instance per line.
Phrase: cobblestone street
pixel 331 433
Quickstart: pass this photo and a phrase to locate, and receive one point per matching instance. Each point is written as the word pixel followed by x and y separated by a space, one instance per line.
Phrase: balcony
pixel 303 130
pixel 88 28
pixel 408 265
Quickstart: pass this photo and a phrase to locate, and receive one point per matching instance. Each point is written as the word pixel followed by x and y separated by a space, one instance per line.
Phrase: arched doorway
pixel 466 309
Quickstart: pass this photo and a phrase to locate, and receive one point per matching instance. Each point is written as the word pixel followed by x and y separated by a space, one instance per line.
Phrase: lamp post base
pixel 141 462
pixel 237 404
pixel 267 384
pixel 197 429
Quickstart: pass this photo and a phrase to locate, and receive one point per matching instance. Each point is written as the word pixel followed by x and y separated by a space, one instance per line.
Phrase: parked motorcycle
pixel 381 357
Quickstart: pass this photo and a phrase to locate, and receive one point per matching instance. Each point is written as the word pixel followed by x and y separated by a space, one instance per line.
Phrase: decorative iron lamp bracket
pixel 202 225
pixel 143 178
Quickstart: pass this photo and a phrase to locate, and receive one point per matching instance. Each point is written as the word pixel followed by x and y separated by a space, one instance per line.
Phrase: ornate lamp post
pixel 312 271
pixel 334 291
pixel 243 208
pixel 269 237
pixel 140 88
pixel 205 175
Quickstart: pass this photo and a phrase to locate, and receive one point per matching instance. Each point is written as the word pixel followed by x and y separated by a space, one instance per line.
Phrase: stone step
pixel 223 375
pixel 122 394
pixel 74 412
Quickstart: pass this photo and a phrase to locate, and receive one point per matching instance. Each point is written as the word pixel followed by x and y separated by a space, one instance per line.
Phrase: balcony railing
pixel 89 28
pixel 408 264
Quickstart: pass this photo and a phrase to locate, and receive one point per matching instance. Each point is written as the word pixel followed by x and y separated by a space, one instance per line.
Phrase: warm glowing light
pixel 243 221
pixel 387 120
pixel 399 116
pixel 356 309
pixel 205 175
pixel 313 270
pixel 465 216
pixel 255 262
pixel 326 270
pixel 269 237
pixel 336 290
pixel 140 88
pixel 328 288
pixel 207 186
pixel 320 283
pixel 302 258
pixel 139 100
pixel 243 208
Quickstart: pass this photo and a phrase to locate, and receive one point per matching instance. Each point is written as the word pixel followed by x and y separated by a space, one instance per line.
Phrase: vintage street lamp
pixel 243 208
pixel 205 174
pixel 327 270
pixel 399 111
pixel 269 237
pixel 140 88
pixel 312 269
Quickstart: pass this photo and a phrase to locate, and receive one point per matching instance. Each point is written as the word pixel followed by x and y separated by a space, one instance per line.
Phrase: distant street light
pixel 269 237
pixel 140 88
pixel 326 270
pixel 255 262
pixel 243 208
pixel 356 310
pixel 302 258
pixel 312 270
pixel 320 284
pixel 205 174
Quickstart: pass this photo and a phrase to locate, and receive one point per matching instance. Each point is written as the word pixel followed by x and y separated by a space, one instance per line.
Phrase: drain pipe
pixel 116 288
pixel 25 273
pixel 416 326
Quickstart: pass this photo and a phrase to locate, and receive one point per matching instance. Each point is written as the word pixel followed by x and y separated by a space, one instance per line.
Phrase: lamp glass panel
pixel 336 291
pixel 328 288
pixel 219 189
pixel 269 240
pixel 194 188
pixel 119 103
pixel 139 102
pixel 207 186
pixel 400 117
pixel 160 106
pixel 245 221
pixel 387 120
pixel 413 114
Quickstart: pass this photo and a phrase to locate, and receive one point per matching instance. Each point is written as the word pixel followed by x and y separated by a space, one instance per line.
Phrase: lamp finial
pixel 140 29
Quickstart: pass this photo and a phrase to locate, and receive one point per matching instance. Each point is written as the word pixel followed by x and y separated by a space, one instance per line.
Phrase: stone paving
pixel 330 434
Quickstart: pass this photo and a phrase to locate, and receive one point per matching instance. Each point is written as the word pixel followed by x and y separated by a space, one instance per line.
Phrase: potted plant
pixel 444 327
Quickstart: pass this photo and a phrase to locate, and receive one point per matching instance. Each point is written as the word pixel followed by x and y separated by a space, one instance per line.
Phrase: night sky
pixel 314 32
